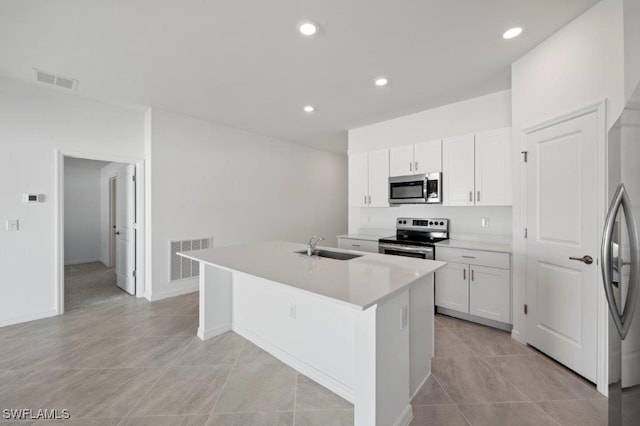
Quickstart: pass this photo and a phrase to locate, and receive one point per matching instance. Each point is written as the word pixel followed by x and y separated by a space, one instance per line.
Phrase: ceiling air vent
pixel 56 80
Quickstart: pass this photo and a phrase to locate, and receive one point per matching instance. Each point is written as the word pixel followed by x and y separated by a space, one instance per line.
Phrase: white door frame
pixel 519 242
pixel 112 221
pixel 59 220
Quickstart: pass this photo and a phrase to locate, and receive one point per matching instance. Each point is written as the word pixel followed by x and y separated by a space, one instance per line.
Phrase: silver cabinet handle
pixel 621 321
pixel 586 259
pixel 468 257
pixel 478 198
pixel 470 196
pixel 369 199
pixel 355 245
pixel 416 166
pixel 472 276
pixel 365 199
pixel 464 274
pixel 410 166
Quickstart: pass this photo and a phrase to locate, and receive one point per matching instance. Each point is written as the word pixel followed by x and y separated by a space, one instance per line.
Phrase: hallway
pixel 89 283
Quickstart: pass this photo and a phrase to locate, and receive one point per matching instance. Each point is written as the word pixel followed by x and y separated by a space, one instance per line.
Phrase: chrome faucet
pixel 311 245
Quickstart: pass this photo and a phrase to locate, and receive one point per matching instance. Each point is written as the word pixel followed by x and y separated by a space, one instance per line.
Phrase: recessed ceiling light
pixel 307 28
pixel 512 33
pixel 381 81
pixel 309 108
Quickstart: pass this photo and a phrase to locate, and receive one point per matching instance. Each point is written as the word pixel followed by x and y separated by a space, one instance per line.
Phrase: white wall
pixel 580 65
pixel 487 112
pixel 34 123
pixel 237 187
pixel 81 212
pixel 631 46
pixel 482 113
pixel 106 173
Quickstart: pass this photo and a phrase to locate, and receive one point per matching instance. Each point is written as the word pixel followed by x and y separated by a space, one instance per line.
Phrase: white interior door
pixel 125 232
pixel 562 205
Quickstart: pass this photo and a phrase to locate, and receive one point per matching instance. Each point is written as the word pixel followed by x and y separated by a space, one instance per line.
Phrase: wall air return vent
pixel 55 80
pixel 181 268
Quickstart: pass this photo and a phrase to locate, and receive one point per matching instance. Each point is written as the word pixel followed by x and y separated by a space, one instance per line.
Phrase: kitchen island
pixel 362 328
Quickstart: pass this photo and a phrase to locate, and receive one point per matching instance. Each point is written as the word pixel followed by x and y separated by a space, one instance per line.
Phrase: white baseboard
pixel 420 385
pixel 213 332
pixel 153 297
pixel 515 335
pixel 31 317
pixel 406 416
pixel 81 261
pixel 314 374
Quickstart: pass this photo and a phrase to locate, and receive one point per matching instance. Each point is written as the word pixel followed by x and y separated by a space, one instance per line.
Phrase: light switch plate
pixel 13 225
pixel 485 222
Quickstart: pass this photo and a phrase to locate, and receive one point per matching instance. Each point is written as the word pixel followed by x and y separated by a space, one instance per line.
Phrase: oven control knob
pixel 441 223
pixel 430 222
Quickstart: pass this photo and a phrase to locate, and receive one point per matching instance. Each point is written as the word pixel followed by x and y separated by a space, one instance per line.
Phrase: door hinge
pixel 526 232
pixel 134 177
pixel 526 155
pixel 526 309
pixel 134 274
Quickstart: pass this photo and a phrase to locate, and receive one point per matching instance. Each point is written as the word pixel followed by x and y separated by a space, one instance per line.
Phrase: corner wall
pixel 237 187
pixel 34 124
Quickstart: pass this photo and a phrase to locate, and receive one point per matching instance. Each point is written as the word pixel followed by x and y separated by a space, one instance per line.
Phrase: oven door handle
pixel 405 248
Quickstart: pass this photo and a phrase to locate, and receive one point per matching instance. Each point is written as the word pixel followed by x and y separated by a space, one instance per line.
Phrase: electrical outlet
pixel 13 225
pixel 485 222
pixel 292 311
pixel 404 317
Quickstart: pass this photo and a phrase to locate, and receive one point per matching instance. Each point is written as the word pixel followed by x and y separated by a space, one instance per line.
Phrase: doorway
pixel 98 236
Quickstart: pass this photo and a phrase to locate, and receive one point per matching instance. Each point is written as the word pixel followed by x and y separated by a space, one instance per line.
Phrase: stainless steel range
pixel 415 237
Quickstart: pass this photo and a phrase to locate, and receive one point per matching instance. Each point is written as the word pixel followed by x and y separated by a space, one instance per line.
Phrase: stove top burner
pixel 419 232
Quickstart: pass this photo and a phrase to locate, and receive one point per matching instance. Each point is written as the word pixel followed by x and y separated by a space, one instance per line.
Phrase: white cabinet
pixel 458 169
pixel 357 244
pixel 477 169
pixel 369 179
pixel 474 282
pixel 425 157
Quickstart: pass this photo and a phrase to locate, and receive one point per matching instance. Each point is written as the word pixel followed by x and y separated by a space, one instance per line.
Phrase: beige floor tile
pixel 469 380
pixel 34 353
pixel 258 387
pixel 445 321
pixel 184 390
pixel 486 341
pixel 447 345
pixel 539 379
pixel 431 393
pixel 312 396
pixel 253 419
pixel 588 412
pixel 112 392
pixel 324 418
pixel 223 349
pixel 252 354
pixel 195 420
pixel 79 422
pixel 437 415
pixel 185 325
pixel 509 414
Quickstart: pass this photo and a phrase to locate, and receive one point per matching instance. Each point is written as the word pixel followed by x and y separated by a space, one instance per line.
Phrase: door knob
pixel 586 259
pixel 117 233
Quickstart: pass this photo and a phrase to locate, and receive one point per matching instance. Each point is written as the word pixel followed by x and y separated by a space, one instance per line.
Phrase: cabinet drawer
pixel 360 245
pixel 473 257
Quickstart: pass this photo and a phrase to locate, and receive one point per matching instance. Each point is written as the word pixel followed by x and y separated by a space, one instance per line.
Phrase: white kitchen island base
pixel 373 356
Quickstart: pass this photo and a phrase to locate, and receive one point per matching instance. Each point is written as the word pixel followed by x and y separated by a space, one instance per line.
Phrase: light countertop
pixel 361 282
pixel 475 245
pixel 365 237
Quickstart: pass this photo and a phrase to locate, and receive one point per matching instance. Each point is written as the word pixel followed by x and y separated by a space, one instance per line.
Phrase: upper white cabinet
pixel 369 179
pixel 458 170
pixel 424 157
pixel 477 169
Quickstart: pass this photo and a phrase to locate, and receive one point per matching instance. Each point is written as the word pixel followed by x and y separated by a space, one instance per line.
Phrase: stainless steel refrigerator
pixel 621 266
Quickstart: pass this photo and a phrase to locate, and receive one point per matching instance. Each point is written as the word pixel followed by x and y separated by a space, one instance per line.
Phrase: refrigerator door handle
pixel 621 321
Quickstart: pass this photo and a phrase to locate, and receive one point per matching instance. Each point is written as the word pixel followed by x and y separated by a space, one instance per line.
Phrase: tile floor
pixel 131 362
pixel 90 283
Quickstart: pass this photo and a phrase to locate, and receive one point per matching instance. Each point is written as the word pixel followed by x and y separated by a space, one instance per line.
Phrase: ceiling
pixel 242 63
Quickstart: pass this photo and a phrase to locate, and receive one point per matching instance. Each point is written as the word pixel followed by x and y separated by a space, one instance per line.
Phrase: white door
pixel 358 180
pixel 125 232
pixel 452 287
pixel 458 170
pixel 562 202
pixel 490 293
pixel 379 178
pixel 427 157
pixel 401 161
pixel 493 168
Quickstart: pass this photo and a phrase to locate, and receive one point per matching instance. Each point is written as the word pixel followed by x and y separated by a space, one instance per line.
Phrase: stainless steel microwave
pixel 416 189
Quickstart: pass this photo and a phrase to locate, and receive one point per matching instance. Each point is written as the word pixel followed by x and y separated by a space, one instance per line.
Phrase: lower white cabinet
pixel 481 286
pixel 357 244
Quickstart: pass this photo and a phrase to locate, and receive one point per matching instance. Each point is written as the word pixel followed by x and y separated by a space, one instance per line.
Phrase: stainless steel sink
pixel 332 254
